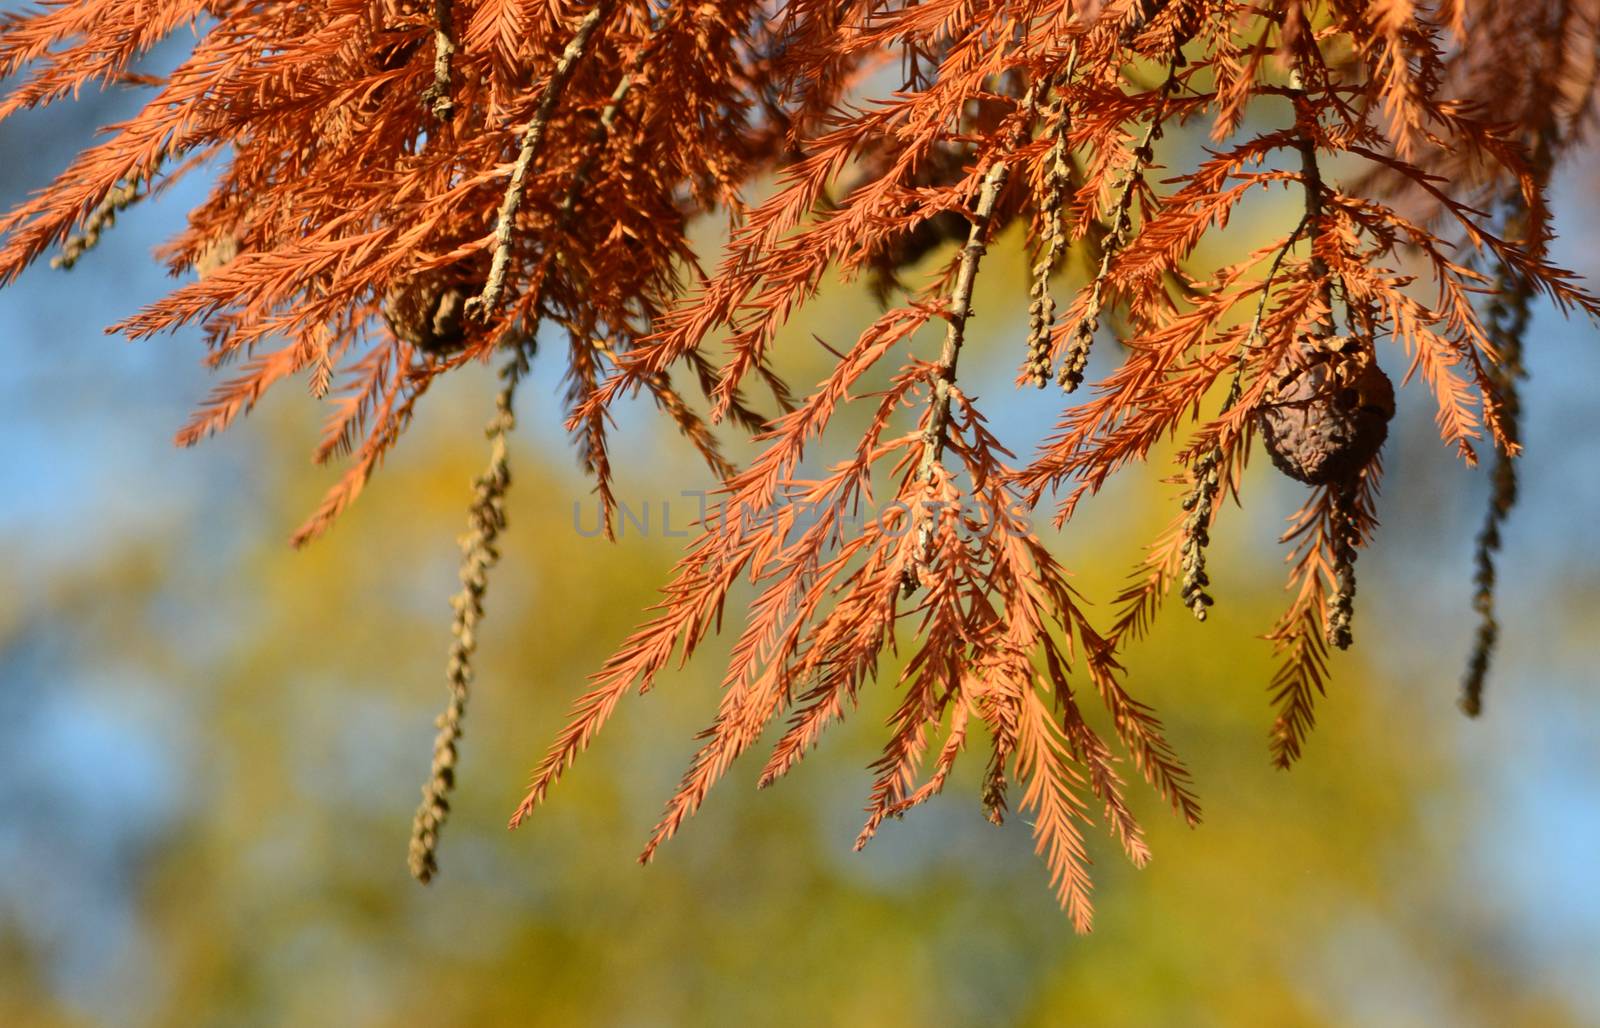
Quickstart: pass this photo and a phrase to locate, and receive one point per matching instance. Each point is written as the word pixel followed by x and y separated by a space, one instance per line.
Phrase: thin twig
pixel 483 305
pixel 938 422
pixel 960 311
pixel 608 117
pixel 438 96
pixel 1311 181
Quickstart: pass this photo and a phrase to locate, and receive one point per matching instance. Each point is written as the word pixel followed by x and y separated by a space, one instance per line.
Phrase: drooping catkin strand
pixel 1345 539
pixel 104 216
pixel 1507 319
pixel 1201 503
pixel 1053 244
pixel 485 521
pixel 1079 344
pixel 438 96
pixel 483 305
pixel 1196 532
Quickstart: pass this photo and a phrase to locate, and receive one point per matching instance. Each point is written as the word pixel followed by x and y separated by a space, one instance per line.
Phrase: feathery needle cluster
pixel 400 186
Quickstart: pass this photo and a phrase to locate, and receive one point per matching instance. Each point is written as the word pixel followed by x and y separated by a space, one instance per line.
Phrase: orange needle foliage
pixel 403 188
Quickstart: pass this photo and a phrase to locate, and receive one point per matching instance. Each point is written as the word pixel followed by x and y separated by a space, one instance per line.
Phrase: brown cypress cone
pixel 944 167
pixel 1161 26
pixel 427 312
pixel 1329 412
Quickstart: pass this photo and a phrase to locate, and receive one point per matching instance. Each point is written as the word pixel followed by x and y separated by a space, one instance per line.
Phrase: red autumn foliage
pixel 404 188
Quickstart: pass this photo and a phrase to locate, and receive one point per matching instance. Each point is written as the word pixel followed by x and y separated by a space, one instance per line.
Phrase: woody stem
pixel 482 305
pixel 934 433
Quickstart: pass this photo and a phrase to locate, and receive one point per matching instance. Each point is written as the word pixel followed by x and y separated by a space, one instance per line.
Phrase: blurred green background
pixel 211 746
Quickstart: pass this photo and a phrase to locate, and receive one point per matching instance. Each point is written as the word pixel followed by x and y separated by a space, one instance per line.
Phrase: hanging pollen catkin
pixel 1200 502
pixel 485 520
pixel 1053 230
pixel 1076 359
pixel 103 217
pixel 129 191
pixel 1346 537
pixel 1506 322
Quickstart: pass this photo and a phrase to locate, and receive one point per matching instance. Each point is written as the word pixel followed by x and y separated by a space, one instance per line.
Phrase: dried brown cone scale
pixel 428 313
pixel 943 168
pixel 1329 412
pixel 1155 27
